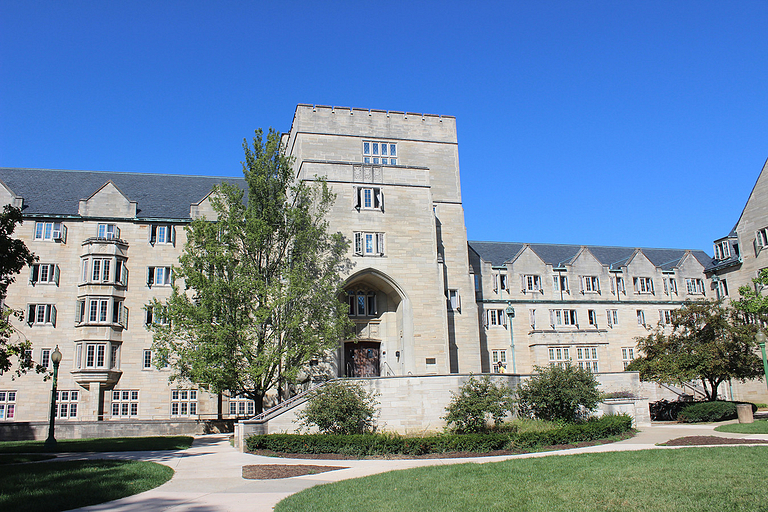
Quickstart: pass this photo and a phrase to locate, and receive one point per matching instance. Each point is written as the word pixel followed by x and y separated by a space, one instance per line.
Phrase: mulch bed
pixel 274 471
pixel 709 441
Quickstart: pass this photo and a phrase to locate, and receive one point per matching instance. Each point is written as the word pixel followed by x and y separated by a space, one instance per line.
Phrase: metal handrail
pixel 262 415
pixel 390 371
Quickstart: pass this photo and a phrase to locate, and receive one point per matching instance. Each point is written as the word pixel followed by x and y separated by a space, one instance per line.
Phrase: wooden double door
pixel 362 358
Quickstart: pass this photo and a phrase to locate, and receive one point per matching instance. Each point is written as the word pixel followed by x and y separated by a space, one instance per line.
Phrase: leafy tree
pixel 476 402
pixel 14 256
pixel 262 282
pixel 707 341
pixel 558 393
pixel 340 407
pixel 752 301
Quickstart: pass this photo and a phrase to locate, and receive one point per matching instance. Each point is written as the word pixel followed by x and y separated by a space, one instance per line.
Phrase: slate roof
pixel 498 253
pixel 158 196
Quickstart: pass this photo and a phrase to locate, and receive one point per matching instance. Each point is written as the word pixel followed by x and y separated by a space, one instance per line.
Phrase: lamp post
pixel 50 443
pixel 510 315
pixel 760 337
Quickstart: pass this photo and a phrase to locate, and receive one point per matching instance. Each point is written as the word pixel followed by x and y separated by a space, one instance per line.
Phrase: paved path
pixel 208 475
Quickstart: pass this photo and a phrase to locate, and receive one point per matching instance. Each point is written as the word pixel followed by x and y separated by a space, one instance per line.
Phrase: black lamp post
pixel 761 338
pixel 50 443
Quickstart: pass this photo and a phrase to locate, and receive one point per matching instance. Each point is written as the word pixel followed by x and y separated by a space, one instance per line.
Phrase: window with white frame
pixel 504 281
pixel 499 359
pixel 96 355
pixel 66 404
pixel 41 314
pixel 161 234
pixel 44 273
pixel 592 316
pixel 722 288
pixel 561 317
pixel 108 232
pixel 454 300
pixel 368 198
pixel 156 315
pixel 559 356
pixel 590 284
pixel 125 403
pixel 612 316
pixel 761 239
pixel 45 358
pixel 640 317
pixel 378 152
pixel 643 284
pixel 617 285
pixel 495 317
pixel 146 360
pixel 531 283
pixel 100 270
pixel 50 231
pixel 7 405
pixel 114 356
pixel 532 318
pixel 362 303
pixel 627 355
pixel 694 286
pixel 586 357
pixel 158 276
pixel 670 286
pixel 478 283
pixel 240 406
pixel 369 244
pixel 722 250
pixel 560 282
pixel 183 402
pixel 665 316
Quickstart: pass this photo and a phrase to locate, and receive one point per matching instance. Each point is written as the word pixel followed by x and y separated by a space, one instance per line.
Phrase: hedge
pixel 710 411
pixel 390 444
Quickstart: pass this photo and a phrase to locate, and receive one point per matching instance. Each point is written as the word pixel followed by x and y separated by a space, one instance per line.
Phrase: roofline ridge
pixel 147 173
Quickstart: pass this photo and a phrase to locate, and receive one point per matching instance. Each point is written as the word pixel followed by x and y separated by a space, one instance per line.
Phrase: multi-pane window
pixel 640 317
pixel 97 310
pixel 560 282
pixel 369 244
pixel 722 250
pixel 41 314
pixel 722 288
pixel 670 286
pixel 496 317
pixel 125 403
pixel 157 315
pixel 146 360
pixel 7 405
pixel 45 358
pixel 531 283
pixel 100 270
pixel 454 300
pixel 377 152
pixel 665 316
pixel 158 276
pixel 108 232
pixel 91 355
pixel 643 284
pixel 612 316
pixel 761 239
pixel 559 356
pixel 563 317
pixel 45 273
pixel 695 286
pixel 50 231
pixel 532 318
pixel 368 198
pixel 590 284
pixel 161 234
pixel 592 316
pixel 499 358
pixel 183 402
pixel 66 404
pixel 362 303
pixel 586 357
pixel 627 355
pixel 617 285
pixel 241 406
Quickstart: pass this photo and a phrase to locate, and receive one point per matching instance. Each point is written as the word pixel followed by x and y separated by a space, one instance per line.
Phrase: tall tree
pixel 262 282
pixel 14 256
pixel 752 301
pixel 706 341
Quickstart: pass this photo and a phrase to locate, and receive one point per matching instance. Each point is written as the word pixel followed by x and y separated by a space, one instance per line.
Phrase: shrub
pixel 590 430
pixel 558 393
pixel 340 408
pixel 476 401
pixel 709 411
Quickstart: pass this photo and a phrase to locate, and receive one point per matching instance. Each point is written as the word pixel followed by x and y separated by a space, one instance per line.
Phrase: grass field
pixel 107 444
pixel 758 427
pixel 17 458
pixel 54 486
pixel 681 480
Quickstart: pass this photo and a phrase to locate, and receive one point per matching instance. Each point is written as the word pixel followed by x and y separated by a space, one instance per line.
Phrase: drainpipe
pixel 510 315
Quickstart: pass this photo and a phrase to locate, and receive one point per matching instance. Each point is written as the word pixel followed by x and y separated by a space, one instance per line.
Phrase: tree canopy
pixel 14 256
pixel 752 301
pixel 706 341
pixel 261 282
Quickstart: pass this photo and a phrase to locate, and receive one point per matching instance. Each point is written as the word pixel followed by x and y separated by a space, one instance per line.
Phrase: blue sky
pixel 590 122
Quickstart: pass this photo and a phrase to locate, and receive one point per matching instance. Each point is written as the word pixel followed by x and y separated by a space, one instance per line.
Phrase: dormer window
pixel 108 232
pixel 722 250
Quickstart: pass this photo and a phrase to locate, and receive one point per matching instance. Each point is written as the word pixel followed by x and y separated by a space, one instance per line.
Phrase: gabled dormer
pixel 108 202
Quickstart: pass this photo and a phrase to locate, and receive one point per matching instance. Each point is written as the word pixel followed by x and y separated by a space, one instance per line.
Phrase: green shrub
pixel 558 393
pixel 591 430
pixel 708 411
pixel 475 403
pixel 340 408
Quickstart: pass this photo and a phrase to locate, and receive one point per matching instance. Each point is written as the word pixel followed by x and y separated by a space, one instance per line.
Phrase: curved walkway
pixel 208 475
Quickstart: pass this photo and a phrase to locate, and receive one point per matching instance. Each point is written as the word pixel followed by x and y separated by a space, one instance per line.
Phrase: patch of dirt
pixel 709 441
pixel 273 471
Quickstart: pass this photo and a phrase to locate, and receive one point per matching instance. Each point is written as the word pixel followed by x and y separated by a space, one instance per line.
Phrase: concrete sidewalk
pixel 208 475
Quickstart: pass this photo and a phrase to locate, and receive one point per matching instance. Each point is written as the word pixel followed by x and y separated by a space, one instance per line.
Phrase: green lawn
pixel 758 427
pixel 106 444
pixel 54 486
pixel 689 479
pixel 17 458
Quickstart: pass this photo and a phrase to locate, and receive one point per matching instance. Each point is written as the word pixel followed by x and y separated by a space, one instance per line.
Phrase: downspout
pixel 510 315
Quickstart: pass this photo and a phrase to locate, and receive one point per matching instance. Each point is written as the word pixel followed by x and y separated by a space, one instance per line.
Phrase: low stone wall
pixel 19 431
